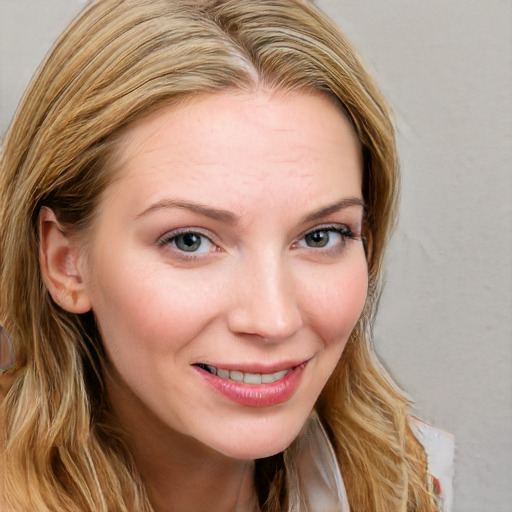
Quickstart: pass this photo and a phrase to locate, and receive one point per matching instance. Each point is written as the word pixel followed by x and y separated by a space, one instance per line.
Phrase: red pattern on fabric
pixel 437 486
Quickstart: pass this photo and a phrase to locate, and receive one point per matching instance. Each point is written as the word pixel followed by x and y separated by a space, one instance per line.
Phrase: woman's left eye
pixel 325 238
pixel 189 242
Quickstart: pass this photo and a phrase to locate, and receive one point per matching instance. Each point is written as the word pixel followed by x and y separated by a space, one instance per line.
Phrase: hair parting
pixel 61 449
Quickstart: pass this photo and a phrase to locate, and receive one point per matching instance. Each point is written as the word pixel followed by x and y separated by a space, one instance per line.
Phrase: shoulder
pixel 440 448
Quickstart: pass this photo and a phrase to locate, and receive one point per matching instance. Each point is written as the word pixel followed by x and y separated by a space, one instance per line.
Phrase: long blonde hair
pixel 60 447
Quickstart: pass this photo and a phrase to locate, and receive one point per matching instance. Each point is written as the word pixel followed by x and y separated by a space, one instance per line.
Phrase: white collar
pixel 313 476
pixel 314 482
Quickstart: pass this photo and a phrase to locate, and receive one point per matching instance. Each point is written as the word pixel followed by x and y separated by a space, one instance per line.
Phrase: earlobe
pixel 60 260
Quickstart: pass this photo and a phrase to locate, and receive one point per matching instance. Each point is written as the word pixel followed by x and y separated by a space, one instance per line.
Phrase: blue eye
pixel 189 242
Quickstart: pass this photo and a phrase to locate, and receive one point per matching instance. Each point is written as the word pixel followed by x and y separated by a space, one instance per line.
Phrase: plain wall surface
pixel 444 328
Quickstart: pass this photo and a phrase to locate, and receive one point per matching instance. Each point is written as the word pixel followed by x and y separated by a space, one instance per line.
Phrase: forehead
pixel 261 143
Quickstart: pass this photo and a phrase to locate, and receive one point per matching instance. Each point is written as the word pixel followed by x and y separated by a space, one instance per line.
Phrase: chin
pixel 263 439
pixel 257 450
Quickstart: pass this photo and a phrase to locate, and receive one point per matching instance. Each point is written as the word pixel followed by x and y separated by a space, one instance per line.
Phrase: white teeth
pixel 281 374
pixel 212 369
pixel 252 378
pixel 236 376
pixel 267 378
pixel 247 378
pixel 224 374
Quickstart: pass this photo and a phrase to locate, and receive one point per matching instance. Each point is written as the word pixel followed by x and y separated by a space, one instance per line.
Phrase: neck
pixel 198 484
pixel 181 474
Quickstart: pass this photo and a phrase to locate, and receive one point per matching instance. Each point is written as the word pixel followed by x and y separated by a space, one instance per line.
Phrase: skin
pixel 256 293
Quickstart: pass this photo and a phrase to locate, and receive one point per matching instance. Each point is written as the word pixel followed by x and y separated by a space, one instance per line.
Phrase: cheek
pixel 335 302
pixel 144 312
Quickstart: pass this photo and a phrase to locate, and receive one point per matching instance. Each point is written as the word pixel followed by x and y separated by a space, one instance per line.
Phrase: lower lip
pixel 257 395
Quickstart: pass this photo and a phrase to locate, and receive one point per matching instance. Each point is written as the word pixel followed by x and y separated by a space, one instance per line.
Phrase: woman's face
pixel 226 269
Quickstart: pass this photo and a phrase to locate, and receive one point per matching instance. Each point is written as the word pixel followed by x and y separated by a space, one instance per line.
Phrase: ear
pixel 61 263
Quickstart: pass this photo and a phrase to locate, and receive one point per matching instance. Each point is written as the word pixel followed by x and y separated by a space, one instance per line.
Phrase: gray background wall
pixel 445 328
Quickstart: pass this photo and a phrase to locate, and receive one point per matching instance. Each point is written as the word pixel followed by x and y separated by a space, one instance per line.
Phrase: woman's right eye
pixel 189 242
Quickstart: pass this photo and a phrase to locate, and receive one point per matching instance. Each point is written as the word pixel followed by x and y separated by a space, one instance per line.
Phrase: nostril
pixel 265 326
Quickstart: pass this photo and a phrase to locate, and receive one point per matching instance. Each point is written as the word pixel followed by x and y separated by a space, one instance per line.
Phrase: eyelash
pixel 342 230
pixel 170 239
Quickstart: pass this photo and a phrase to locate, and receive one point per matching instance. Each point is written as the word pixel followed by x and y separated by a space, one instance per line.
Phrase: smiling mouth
pixel 245 377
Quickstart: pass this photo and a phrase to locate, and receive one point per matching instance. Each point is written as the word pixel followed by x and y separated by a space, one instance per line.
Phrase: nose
pixel 264 301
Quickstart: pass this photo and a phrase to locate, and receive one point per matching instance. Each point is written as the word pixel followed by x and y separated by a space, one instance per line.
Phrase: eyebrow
pixel 333 208
pixel 214 213
pixel 230 218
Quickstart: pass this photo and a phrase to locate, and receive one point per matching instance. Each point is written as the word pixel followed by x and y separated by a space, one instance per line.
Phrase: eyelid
pixel 344 230
pixel 180 231
pixel 333 226
pixel 165 239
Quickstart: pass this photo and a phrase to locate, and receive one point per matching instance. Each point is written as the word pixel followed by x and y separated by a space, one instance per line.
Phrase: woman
pixel 196 200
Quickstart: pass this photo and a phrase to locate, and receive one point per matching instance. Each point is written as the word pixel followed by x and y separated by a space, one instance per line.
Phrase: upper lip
pixel 264 368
